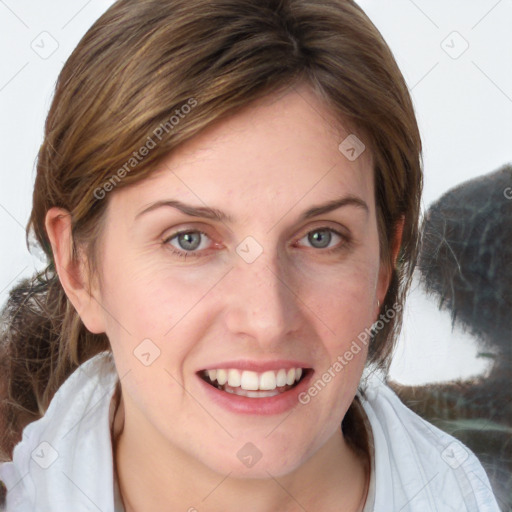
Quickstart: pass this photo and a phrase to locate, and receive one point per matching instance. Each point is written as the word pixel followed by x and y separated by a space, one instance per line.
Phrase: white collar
pixel 46 469
pixel 64 461
pixel 418 467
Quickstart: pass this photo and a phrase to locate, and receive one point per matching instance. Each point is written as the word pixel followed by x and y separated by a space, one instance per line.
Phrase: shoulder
pixel 68 448
pixel 418 467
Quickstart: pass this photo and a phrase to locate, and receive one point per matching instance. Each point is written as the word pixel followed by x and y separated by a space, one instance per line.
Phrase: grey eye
pixel 320 238
pixel 189 240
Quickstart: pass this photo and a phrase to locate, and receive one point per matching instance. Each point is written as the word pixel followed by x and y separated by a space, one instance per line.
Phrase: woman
pixel 228 195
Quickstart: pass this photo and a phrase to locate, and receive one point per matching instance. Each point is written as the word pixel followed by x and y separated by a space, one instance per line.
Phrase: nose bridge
pixel 262 303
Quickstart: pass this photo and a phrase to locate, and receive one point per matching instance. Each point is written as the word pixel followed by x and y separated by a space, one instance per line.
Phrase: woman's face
pixel 266 279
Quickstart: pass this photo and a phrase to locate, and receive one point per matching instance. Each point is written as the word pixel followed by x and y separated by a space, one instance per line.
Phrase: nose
pixel 262 303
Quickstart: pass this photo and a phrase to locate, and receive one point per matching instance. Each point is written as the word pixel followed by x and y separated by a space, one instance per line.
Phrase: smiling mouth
pixel 254 384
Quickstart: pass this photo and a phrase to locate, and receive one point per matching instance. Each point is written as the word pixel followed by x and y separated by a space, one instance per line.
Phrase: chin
pixel 262 469
pixel 262 459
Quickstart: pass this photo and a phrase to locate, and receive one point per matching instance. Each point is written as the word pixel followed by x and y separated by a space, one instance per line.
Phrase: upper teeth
pixel 253 381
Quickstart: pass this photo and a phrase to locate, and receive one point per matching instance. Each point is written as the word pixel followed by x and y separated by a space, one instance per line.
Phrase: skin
pixel 264 166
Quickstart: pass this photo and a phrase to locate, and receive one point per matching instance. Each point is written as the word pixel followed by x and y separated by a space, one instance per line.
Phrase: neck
pixel 170 478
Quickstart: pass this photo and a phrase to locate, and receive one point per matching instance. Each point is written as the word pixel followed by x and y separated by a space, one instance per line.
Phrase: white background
pixel 463 105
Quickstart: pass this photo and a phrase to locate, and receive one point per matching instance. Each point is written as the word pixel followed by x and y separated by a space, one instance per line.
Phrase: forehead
pixel 277 154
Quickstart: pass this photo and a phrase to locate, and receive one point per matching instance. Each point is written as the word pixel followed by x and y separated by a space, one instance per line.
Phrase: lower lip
pixel 261 406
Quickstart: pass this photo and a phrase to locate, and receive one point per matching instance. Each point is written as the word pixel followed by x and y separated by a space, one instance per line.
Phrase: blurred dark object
pixel 466 264
pixel 3 493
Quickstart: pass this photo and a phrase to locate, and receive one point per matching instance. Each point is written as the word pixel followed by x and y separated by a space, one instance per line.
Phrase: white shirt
pixel 64 462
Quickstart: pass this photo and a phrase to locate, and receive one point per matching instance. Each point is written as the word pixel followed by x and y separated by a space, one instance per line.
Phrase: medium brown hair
pixel 136 66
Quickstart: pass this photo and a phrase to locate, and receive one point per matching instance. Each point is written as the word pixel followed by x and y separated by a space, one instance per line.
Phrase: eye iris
pixel 188 238
pixel 324 238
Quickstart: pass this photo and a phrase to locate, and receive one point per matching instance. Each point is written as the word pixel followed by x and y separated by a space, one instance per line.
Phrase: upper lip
pixel 257 366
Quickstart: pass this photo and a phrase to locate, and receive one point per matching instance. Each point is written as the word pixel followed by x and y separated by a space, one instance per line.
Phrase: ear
pixel 385 270
pixel 73 275
pixel 397 240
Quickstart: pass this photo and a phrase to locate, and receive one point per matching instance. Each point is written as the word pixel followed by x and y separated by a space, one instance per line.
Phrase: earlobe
pixel 72 273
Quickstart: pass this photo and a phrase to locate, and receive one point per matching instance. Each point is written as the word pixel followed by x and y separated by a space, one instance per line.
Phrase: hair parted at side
pixel 135 69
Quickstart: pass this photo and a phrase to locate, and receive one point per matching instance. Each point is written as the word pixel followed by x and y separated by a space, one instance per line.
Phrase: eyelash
pixel 346 241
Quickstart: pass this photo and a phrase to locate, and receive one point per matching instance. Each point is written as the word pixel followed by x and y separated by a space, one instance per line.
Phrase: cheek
pixel 158 304
pixel 147 299
pixel 343 297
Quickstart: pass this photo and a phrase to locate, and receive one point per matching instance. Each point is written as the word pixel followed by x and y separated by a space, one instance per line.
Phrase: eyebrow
pixel 218 215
